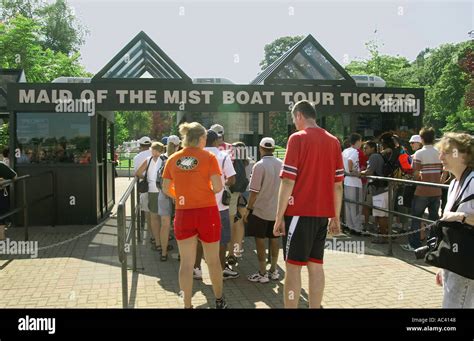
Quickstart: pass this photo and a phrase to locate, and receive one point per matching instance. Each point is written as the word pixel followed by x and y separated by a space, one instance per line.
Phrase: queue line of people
pixel 299 199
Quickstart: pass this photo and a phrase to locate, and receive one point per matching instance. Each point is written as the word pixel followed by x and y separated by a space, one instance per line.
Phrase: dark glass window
pixel 53 138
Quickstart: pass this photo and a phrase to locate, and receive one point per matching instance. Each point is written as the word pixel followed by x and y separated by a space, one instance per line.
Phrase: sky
pixel 226 38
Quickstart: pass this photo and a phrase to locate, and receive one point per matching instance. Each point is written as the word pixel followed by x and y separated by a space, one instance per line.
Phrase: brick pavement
pixel 86 273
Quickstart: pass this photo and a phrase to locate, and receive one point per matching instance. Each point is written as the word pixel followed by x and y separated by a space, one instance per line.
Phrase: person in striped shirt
pixel 427 168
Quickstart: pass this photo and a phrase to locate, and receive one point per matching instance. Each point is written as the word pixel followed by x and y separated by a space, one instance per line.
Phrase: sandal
pixel 164 258
pixel 170 247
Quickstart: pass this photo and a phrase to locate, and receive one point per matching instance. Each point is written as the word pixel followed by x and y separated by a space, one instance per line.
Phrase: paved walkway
pixel 86 273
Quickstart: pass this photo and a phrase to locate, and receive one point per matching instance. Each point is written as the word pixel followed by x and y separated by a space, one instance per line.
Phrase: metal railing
pixel 128 233
pixel 25 205
pixel 393 184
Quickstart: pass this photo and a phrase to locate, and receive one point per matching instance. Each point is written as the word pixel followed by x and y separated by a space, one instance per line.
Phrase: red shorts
pixel 204 222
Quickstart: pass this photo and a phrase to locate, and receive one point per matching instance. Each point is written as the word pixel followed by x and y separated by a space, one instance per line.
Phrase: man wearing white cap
pixel 220 133
pixel 143 154
pixel 165 203
pixel 262 209
pixel 415 142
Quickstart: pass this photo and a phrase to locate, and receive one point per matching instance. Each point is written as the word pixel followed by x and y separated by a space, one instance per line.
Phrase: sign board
pixel 105 96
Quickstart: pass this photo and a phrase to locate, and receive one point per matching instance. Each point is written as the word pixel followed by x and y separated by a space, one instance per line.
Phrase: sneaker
pixel 221 303
pixel 407 247
pixel 197 273
pixel 228 273
pixel 258 277
pixel 275 275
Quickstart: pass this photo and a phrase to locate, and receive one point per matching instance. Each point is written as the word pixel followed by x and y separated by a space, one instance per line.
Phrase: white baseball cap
pixel 218 129
pixel 415 138
pixel 174 140
pixel 267 142
pixel 144 140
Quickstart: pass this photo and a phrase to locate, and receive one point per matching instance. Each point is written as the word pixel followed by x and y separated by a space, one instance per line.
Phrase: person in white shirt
pixel 353 184
pixel 228 178
pixel 149 168
pixel 144 153
pixel 165 203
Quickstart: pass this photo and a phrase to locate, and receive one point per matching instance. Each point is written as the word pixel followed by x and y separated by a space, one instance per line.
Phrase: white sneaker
pixel 407 247
pixel 275 275
pixel 228 273
pixel 197 273
pixel 257 277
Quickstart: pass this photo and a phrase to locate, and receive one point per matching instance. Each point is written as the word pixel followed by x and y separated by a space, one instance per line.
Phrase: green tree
pixel 131 125
pixel 62 31
pixel 277 48
pixel 20 47
pixel 59 31
pixel 439 71
pixel 4 136
pixel 120 129
pixel 396 71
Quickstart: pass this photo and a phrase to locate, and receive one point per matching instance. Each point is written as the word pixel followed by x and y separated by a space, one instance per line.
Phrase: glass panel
pixel 50 138
pixel 140 56
pixel 309 63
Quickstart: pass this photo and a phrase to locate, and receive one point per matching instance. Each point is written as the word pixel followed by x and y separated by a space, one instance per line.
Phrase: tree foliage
pixel 131 125
pixel 277 48
pixel 444 74
pixel 21 48
pixel 59 29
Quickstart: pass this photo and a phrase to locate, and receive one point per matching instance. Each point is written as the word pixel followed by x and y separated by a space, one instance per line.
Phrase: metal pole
pixel 269 261
pixel 25 209
pixel 121 252
pixel 139 216
pixel 129 167
pixel 134 238
pixel 390 218
pixel 55 198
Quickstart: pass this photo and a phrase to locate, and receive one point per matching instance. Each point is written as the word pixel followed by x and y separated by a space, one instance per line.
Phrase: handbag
pixel 226 194
pixel 454 245
pixel 143 184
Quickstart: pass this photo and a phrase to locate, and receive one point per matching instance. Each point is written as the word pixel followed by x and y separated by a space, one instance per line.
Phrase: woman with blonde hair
pixel 457 155
pixel 192 177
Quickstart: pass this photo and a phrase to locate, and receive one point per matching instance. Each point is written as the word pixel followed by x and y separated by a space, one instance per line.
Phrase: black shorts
pixel 304 240
pixel 259 228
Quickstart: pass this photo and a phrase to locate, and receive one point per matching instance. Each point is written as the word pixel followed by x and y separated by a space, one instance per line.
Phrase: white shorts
pixel 144 202
pixel 234 200
pixel 381 201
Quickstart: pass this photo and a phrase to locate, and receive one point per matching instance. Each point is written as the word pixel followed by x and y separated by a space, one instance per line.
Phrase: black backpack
pixel 159 175
pixel 241 181
pixel 389 170
pixel 391 166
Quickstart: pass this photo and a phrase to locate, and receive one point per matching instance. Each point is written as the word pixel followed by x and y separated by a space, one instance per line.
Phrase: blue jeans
pixel 458 291
pixel 418 207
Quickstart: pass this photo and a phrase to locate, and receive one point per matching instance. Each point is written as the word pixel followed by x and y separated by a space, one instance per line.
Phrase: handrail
pixel 124 232
pixel 393 183
pixel 25 205
pixel 406 181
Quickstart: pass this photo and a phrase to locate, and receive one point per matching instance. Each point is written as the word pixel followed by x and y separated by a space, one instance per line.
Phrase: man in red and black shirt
pixel 310 196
